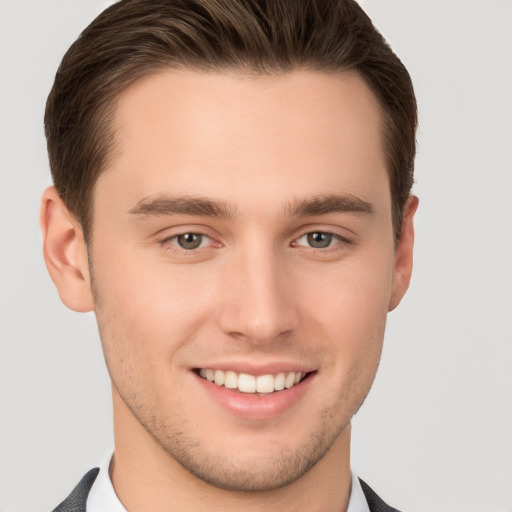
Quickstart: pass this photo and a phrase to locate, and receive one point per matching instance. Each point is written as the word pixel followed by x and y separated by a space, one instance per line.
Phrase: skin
pixel 253 293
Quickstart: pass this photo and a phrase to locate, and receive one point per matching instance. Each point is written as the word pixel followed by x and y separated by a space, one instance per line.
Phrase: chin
pixel 253 469
pixel 249 474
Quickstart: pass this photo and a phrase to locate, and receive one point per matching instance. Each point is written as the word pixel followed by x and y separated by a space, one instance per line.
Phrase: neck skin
pixel 146 478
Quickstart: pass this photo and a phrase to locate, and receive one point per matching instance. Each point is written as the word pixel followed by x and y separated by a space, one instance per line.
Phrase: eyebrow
pixel 331 203
pixel 182 205
pixel 203 206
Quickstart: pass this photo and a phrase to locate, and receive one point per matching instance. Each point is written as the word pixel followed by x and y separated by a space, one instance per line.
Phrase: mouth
pixel 252 384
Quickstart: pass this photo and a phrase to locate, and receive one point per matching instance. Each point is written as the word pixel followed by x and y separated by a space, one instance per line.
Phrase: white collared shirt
pixel 103 498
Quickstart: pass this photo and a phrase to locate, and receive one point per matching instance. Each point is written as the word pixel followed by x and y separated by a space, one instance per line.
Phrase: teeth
pixel 247 383
pixel 265 384
pixel 279 381
pixel 288 382
pixel 231 380
pixel 218 376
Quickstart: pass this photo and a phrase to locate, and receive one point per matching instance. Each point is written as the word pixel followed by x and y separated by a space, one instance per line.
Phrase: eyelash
pixel 332 247
pixel 175 247
pixel 340 240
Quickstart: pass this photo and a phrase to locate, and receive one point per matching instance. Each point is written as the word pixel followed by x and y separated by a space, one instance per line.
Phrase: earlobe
pixel 404 254
pixel 65 252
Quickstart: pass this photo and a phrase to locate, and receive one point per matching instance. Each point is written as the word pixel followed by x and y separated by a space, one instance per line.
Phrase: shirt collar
pixel 102 497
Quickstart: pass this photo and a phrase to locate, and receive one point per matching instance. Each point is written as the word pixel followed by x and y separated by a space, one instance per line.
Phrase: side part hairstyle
pixel 136 38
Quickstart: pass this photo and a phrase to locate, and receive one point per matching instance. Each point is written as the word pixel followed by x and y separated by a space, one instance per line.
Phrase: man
pixel 232 200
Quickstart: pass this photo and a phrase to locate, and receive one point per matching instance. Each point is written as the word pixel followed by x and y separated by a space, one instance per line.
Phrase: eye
pixel 319 239
pixel 188 241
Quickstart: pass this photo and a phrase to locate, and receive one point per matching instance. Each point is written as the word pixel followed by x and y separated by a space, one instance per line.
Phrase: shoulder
pixel 375 503
pixel 76 501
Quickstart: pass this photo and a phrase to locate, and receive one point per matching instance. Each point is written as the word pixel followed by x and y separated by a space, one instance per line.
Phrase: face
pixel 243 263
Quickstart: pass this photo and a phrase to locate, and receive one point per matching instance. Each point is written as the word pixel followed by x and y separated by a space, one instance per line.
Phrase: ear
pixel 65 252
pixel 403 256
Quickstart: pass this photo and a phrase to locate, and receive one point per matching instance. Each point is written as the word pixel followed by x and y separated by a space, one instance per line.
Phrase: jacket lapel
pixel 374 502
pixel 77 500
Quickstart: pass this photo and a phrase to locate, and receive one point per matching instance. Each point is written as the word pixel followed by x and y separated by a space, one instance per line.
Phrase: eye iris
pixel 319 240
pixel 189 240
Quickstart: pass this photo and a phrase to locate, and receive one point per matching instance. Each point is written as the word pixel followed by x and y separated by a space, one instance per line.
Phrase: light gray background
pixel 436 431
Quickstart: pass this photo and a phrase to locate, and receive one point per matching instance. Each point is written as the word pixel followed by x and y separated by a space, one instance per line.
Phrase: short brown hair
pixel 136 38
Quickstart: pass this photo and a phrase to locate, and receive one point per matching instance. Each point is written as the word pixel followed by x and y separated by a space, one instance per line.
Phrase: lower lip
pixel 254 406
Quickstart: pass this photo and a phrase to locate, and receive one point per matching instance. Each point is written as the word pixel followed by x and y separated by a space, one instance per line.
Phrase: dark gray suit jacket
pixel 76 501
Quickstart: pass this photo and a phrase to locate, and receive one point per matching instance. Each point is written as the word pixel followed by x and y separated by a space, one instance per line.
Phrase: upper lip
pixel 252 368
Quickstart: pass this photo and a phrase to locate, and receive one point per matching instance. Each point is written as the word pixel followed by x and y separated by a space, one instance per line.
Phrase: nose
pixel 258 303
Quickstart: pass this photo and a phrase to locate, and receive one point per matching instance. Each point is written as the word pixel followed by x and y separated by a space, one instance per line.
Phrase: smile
pixel 247 383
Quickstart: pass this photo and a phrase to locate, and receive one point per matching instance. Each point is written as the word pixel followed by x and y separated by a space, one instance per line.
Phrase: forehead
pixel 230 135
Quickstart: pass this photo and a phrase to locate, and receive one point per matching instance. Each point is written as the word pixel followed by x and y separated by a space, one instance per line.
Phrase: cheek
pixel 348 305
pixel 352 294
pixel 147 309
